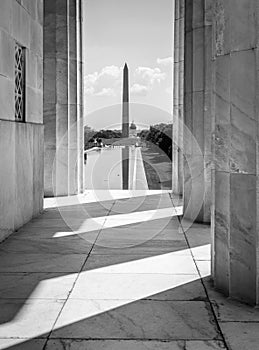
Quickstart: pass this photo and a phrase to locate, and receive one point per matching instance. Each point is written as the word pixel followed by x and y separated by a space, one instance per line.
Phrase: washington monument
pixel 125 102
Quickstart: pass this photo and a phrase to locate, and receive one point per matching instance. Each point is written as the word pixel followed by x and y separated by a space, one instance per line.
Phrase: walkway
pixel 122 276
pixel 121 168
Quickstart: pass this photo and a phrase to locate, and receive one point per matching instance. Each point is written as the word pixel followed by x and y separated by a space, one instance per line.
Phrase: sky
pixel 138 32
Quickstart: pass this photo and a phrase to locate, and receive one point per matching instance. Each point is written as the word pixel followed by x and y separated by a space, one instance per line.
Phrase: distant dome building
pixel 133 130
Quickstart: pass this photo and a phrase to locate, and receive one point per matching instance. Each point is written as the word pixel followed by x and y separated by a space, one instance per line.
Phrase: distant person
pixel 95 142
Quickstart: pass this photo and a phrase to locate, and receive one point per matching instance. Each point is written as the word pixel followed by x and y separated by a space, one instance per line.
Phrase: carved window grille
pixel 19 83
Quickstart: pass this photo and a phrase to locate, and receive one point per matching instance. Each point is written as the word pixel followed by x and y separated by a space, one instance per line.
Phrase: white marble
pixel 114 345
pixel 202 252
pixel 28 319
pixel 204 267
pixel 150 294
pixel 205 345
pixel 138 239
pixel 62 82
pixel 29 244
pixel 22 344
pixel 20 180
pixel 241 335
pixel 97 223
pixel 29 262
pixel 135 320
pixel 36 285
pixel 170 263
pixel 105 286
pixel 228 310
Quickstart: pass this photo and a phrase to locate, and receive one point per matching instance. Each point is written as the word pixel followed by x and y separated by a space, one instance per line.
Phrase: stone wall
pixel 21 144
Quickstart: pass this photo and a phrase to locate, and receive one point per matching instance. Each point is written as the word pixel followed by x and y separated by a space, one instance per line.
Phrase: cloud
pixel 103 83
pixel 145 78
pixel 167 61
pixel 149 76
pixel 108 81
pixel 106 92
pixel 139 90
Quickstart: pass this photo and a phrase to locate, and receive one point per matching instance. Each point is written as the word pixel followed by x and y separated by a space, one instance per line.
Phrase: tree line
pixel 159 135
pixel 91 134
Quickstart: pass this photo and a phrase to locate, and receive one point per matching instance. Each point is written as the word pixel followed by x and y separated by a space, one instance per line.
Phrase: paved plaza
pixel 121 276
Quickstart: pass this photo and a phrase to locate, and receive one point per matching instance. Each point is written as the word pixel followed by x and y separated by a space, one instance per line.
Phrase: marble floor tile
pixel 36 285
pixel 48 223
pixel 148 296
pixel 205 345
pixel 96 199
pixel 79 215
pixel 109 286
pixel 154 225
pixel 171 236
pixel 202 252
pixel 228 310
pixel 19 262
pixel 96 261
pixel 241 335
pixel 146 242
pixel 169 263
pixel 118 319
pixel 134 218
pixel 138 207
pixel 22 344
pixel 198 235
pixel 150 247
pixel 28 318
pixel 32 232
pixel 48 245
pixel 191 291
pixel 204 267
pixel 72 344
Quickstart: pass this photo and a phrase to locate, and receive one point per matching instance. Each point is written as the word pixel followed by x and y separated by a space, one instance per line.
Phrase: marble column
pixel 63 97
pixel 178 81
pixel 197 109
pixel 235 210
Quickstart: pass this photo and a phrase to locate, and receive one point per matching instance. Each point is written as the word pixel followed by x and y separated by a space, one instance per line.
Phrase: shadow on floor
pixel 69 288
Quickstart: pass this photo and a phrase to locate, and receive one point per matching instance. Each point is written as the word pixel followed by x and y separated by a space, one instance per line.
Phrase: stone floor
pixel 117 274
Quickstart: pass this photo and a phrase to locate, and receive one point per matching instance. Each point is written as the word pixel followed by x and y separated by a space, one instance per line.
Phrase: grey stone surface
pixel 38 317
pixel 241 335
pixel 197 116
pixel 22 344
pixel 72 344
pixel 21 143
pixel 235 127
pixel 22 166
pixel 178 96
pixel 62 98
pixel 141 301
pixel 106 318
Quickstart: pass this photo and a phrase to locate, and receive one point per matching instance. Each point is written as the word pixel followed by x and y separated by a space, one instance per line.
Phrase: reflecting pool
pixel 114 168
